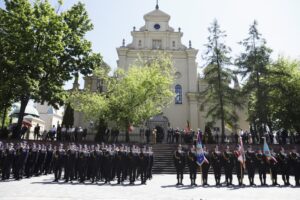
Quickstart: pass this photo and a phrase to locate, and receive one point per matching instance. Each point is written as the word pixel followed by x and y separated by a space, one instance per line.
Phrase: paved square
pixel 160 187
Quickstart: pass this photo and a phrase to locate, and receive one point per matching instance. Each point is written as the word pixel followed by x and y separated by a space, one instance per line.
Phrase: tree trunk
pixel 4 117
pixel 17 131
pixel 127 135
pixel 127 126
pixel 221 99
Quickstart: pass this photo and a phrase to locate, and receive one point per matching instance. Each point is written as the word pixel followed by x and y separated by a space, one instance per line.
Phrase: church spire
pixel 156 7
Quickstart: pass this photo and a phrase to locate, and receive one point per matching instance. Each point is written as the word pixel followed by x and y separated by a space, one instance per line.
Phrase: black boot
pixel 181 181
pixel 195 182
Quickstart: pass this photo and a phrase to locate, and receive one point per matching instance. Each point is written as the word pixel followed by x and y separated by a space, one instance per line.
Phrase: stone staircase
pixel 163 159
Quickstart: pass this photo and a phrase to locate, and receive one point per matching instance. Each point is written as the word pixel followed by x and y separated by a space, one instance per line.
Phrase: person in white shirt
pixel 53 132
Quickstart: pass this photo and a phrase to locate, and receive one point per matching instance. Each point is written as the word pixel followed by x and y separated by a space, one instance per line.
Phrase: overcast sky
pixel 278 21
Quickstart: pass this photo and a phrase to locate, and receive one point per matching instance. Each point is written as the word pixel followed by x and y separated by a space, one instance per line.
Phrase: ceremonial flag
pixel 241 153
pixel 130 128
pixel 267 152
pixel 188 128
pixel 200 153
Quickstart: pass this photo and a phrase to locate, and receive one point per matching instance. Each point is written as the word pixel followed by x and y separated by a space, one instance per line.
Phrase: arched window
pixel 178 92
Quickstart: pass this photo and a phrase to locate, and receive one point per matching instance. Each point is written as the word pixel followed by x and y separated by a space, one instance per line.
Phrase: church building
pixel 158 36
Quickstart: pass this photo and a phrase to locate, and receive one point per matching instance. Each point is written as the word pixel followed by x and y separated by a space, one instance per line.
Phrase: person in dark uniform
pixel 16 162
pixel 98 163
pixel 143 165
pixel 205 166
pixel 251 165
pixel 92 164
pixel 169 135
pixel 228 163
pixel 193 166
pixel 68 165
pixel 56 164
pixel 239 166
pixel 147 133
pixel 179 161
pixel 295 164
pixel 151 159
pixel 262 165
pixel 107 162
pixel 119 162
pixel 284 165
pixel 131 157
pixel 73 159
pixel 113 162
pixel 48 160
pixel 19 161
pixel 102 161
pixel 274 167
pixel 8 159
pixel 82 164
pixel 31 160
pixel 216 164
pixel 37 132
pixel 177 134
pixel 40 160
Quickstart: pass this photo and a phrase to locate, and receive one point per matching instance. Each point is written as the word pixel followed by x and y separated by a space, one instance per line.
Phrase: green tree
pixel 51 47
pixel 68 118
pixel 252 65
pixel 132 96
pixel 284 94
pixel 219 97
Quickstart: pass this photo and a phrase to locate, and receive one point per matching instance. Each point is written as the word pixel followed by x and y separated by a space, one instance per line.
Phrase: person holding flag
pixel 228 160
pixel 200 153
pixel 217 165
pixel 283 160
pixel 192 163
pixel 205 166
pixel 272 162
pixel 240 160
pixel 267 151
pixel 262 166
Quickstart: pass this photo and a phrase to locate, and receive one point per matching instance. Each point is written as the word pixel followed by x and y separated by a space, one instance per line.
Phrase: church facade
pixel 158 36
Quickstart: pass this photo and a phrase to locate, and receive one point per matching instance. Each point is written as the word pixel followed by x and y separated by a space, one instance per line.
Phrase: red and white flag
pixel 241 153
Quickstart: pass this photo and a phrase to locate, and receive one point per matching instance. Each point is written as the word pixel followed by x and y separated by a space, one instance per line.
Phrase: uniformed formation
pixel 80 163
pixel 281 163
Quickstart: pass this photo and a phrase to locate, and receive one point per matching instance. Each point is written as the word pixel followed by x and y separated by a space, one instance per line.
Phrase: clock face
pixel 156 26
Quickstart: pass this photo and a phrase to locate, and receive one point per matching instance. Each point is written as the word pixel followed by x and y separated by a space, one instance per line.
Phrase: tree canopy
pixel 284 94
pixel 253 67
pixel 219 98
pixel 132 96
pixel 43 49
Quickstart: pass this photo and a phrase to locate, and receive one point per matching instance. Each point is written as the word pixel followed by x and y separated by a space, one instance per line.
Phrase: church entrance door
pixel 161 124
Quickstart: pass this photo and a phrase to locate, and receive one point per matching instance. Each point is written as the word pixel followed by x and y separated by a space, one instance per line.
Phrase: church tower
pixel 155 36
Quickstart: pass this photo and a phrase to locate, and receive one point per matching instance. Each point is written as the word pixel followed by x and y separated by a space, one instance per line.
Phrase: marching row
pixel 283 163
pixel 79 163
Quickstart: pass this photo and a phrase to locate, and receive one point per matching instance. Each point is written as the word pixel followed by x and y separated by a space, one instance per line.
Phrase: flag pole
pixel 242 173
pixel 201 174
pixel 271 175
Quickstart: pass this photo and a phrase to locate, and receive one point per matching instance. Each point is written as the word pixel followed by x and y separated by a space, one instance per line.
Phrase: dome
pixel 30 110
pixel 157 15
